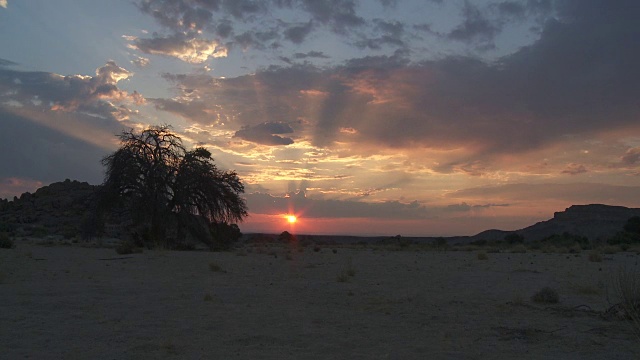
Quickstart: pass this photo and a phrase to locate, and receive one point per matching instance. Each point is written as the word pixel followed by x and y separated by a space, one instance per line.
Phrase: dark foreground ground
pixel 69 302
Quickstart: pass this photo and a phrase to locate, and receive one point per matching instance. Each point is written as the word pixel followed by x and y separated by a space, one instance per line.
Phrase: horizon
pixel 360 118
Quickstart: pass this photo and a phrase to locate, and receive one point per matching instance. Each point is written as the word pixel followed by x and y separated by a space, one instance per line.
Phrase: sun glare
pixel 291 219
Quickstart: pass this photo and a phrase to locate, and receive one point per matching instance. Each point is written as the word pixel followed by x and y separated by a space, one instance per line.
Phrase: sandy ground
pixel 68 302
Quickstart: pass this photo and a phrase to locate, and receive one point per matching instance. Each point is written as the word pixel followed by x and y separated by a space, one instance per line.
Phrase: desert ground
pixel 74 302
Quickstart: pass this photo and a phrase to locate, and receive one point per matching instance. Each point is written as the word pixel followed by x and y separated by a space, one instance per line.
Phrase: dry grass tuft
pixel 215 267
pixel 342 277
pixel 546 295
pixel 610 249
pixel 627 287
pixel 595 256
pixel 519 249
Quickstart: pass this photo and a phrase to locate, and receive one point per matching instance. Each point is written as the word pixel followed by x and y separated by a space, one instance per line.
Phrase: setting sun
pixel 291 219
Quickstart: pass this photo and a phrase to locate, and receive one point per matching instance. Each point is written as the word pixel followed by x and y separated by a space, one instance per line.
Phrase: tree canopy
pixel 169 189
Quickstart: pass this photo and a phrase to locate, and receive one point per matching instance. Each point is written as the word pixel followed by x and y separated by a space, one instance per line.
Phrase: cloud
pixel 575 169
pixel 6 63
pixel 265 134
pixel 297 33
pixel 140 61
pixel 574 193
pixel 631 157
pixel 96 95
pixel 263 203
pixel 3 3
pixel 189 49
pixel 544 96
pixel 311 54
pixel 475 27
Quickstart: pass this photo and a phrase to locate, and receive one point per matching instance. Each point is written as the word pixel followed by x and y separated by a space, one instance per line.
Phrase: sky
pixel 362 117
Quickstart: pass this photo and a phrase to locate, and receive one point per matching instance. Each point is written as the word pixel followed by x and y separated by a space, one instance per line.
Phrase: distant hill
pixel 64 208
pixel 595 221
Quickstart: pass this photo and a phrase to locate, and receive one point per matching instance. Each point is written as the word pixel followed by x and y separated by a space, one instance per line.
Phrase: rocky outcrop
pixel 595 222
pixel 60 208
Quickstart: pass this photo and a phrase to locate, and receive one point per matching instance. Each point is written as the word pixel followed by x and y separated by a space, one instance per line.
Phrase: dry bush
pixel 482 256
pixel 342 277
pixel 546 295
pixel 610 249
pixel 595 256
pixel 627 287
pixel 519 249
pixel 215 267
pixel 588 290
pixel 5 241
pixel 128 247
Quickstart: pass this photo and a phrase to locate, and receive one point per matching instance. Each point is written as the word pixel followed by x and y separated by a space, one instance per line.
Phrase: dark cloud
pixel 575 169
pixel 575 193
pixel 266 134
pixel 310 54
pixel 390 33
pixel 95 95
pixel 262 203
pixel 6 63
pixel 476 27
pixel 572 81
pixel 192 22
pixel 631 157
pixel 297 33
pixel 339 14
pixel 187 48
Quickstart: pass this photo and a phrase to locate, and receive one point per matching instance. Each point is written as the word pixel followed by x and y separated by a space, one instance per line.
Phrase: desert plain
pixel 285 302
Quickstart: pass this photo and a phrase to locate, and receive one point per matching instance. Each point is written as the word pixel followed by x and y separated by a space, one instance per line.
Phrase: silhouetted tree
pixel 167 187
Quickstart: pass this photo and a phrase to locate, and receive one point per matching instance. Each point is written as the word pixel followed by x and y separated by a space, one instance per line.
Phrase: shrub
pixel 514 238
pixel 627 287
pixel 128 247
pixel 595 256
pixel 519 249
pixel 546 295
pixel 342 277
pixel 224 236
pixel 5 241
pixel 214 267
pixel 633 225
pixel 482 256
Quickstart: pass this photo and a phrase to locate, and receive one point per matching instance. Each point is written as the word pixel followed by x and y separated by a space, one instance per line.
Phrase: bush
pixel 633 225
pixel 595 256
pixel 215 267
pixel 128 247
pixel 627 288
pixel 546 295
pixel 514 238
pixel 5 241
pixel 482 255
pixel 224 235
pixel 567 240
pixel 623 237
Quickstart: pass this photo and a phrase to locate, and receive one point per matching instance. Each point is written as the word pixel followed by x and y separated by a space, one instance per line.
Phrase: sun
pixel 291 219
